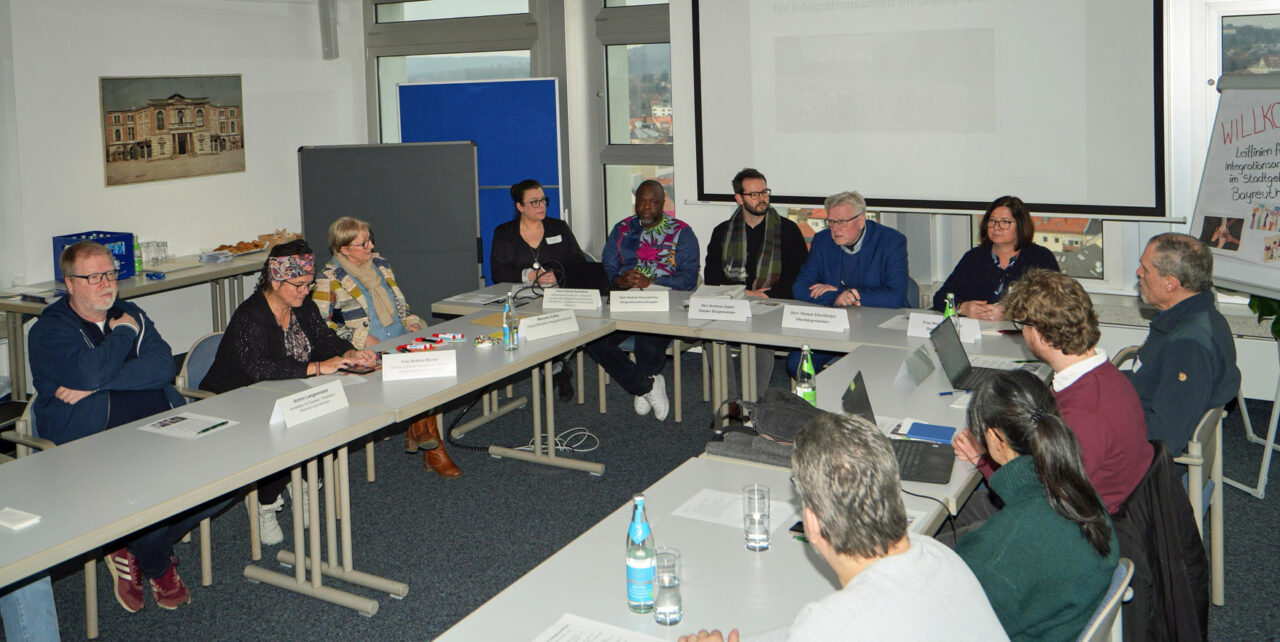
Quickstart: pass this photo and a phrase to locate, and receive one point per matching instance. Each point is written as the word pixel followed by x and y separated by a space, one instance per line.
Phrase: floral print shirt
pixel 667 253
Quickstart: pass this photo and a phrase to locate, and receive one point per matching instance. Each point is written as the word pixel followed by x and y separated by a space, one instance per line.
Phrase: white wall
pixel 59 50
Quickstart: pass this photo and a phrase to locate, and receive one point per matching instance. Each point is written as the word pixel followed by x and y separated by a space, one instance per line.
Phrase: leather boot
pixel 418 437
pixel 437 459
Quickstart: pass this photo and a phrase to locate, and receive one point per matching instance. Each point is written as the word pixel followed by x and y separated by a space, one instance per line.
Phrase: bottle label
pixel 640 574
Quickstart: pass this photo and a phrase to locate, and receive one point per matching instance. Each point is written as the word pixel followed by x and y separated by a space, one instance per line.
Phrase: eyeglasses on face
pixel 1019 324
pixel 831 222
pixel 306 286
pixel 538 202
pixel 1000 223
pixel 94 279
pixel 759 194
pixel 364 246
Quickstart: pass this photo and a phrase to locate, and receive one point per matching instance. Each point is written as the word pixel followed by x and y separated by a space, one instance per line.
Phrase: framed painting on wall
pixel 161 127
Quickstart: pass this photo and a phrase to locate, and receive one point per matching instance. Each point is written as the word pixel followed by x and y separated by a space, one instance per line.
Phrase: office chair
pixel 1106 625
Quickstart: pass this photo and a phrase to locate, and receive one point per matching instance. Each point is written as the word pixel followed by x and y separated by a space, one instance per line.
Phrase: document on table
pixel 16 520
pixel 573 628
pixel 898 322
pixel 188 425
pixel 474 298
pixel 719 507
pixel 347 380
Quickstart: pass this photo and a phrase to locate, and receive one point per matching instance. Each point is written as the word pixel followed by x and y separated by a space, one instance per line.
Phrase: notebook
pixel 918 461
pixel 955 361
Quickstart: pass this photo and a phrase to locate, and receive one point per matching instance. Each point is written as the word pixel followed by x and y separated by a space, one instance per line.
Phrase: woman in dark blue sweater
pixel 1006 251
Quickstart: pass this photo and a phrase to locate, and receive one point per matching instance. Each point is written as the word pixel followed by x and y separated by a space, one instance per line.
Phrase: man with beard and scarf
pixel 757 248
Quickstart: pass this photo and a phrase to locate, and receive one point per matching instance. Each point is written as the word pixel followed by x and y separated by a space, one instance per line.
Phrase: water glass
pixel 755 516
pixel 668 608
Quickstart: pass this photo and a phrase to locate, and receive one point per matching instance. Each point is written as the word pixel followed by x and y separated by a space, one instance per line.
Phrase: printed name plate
pixel 921 323
pixel 549 324
pixel 570 299
pixel 719 309
pixel 814 318
pixel 640 301
pixel 419 365
pixel 307 405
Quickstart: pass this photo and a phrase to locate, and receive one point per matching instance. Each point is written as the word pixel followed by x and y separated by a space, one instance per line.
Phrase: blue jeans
pixel 153 545
pixel 636 378
pixel 28 611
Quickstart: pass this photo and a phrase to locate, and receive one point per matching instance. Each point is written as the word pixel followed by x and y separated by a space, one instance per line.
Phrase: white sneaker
pixel 657 398
pixel 642 405
pixel 269 532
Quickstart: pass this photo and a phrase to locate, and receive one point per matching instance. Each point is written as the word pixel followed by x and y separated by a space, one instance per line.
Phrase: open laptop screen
pixel 946 340
pixel 857 401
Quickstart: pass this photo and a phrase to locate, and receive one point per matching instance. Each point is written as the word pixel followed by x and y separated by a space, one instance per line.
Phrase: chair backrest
pixel 198 361
pixel 1105 623
pixel 1124 355
pixel 1201 461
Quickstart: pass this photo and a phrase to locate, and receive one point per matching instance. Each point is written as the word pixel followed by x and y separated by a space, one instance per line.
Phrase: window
pixel 130 133
pixel 199 118
pixel 639 93
pixel 811 220
pixel 116 134
pixel 115 119
pixel 159 119
pixel 621 182
pixel 129 118
pixel 233 126
pixel 1076 243
pixel 222 127
pixel 480 65
pixel 444 9
pixel 182 116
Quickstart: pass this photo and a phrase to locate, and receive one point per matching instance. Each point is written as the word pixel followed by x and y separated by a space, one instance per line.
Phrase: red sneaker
pixel 128 579
pixel 169 591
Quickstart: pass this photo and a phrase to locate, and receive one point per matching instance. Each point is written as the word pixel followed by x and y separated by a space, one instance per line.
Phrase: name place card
pixel 570 299
pixel 719 309
pixel 307 405
pixel 920 324
pixel 419 365
pixel 640 301
pixel 549 324
pixel 814 318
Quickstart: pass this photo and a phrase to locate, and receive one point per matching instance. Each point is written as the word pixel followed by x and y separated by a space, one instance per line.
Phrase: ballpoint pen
pixel 217 425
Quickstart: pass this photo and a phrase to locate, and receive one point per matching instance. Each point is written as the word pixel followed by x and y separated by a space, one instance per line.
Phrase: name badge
pixel 548 325
pixel 307 405
pixel 570 299
pixel 920 324
pixel 640 301
pixel 419 365
pixel 719 309
pixel 552 240
pixel 814 318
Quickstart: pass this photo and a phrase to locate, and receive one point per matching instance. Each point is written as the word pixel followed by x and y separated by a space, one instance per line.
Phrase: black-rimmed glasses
pixel 96 278
pixel 366 245
pixel 1019 325
pixel 538 202
pixel 308 287
pixel 763 192
pixel 1000 223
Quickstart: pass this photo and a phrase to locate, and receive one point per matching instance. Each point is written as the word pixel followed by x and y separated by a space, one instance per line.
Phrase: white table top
pixel 724 585
pixel 675 321
pixel 93 490
pixel 477 367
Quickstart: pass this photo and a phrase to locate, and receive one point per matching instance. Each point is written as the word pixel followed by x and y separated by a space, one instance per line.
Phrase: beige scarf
pixel 369 277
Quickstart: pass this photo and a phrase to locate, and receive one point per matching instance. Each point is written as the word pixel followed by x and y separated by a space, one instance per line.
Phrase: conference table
pixel 78 516
pixel 225 293
pixel 723 584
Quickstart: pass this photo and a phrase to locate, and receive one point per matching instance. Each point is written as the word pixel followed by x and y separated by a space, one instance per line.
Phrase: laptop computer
pixel 918 461
pixel 587 275
pixel 955 361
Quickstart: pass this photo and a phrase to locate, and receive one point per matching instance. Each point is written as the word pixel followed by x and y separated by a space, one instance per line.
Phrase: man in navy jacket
pixel 97 363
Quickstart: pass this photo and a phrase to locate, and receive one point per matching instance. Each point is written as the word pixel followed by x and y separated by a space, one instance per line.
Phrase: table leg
pixel 548 390
pixel 582 399
pixel 748 379
pixel 676 397
pixel 537 410
pixel 17 355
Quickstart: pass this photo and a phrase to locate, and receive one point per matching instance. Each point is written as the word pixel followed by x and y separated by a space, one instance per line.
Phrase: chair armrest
pixel 195 393
pixel 26 440
pixel 1124 355
pixel 1189 460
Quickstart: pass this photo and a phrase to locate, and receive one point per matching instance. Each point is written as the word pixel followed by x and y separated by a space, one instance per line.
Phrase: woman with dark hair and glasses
pixel 1046 559
pixel 1006 250
pixel 277 333
pixel 534 249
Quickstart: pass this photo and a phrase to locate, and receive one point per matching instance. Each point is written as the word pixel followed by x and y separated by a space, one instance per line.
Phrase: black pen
pixel 217 425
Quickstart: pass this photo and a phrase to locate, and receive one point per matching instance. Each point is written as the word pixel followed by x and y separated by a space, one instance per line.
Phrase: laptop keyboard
pixel 975 376
pixel 908 454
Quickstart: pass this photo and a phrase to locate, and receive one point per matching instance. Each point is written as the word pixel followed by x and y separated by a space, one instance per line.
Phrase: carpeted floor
pixel 459 542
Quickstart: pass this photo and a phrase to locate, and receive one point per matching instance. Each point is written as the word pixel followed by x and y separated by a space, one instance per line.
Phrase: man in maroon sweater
pixel 1095 399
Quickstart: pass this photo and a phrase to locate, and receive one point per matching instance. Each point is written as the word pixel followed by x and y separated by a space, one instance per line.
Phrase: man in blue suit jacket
pixel 853 262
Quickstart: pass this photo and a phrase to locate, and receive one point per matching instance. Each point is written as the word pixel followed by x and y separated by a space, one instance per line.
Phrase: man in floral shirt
pixel 643 250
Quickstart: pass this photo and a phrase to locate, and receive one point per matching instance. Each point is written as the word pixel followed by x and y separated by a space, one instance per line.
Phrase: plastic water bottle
pixel 950 310
pixel 806 382
pixel 641 562
pixel 510 324
pixel 137 256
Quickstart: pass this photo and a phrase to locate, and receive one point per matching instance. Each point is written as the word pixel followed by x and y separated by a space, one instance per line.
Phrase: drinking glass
pixel 668 608
pixel 755 516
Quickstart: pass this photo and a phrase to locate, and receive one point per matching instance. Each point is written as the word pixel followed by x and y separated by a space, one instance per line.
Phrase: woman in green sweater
pixel 1046 559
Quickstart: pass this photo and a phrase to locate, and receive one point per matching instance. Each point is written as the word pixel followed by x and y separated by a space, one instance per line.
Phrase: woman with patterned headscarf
pixel 277 333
